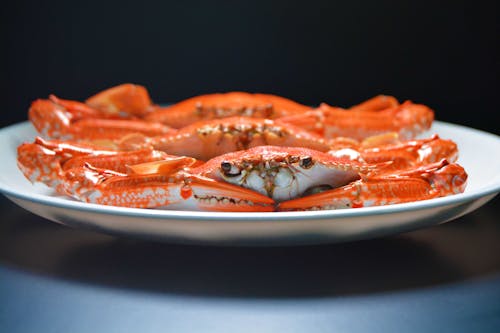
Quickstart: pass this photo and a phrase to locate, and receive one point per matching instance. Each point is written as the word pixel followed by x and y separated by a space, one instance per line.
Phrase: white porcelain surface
pixel 479 155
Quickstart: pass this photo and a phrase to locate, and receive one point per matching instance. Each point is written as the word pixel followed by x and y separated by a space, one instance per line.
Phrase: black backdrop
pixel 441 53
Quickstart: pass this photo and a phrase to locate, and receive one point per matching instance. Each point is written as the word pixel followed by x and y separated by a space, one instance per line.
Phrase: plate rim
pixel 264 217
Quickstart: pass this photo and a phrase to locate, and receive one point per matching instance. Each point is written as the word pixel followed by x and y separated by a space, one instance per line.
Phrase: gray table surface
pixel 441 279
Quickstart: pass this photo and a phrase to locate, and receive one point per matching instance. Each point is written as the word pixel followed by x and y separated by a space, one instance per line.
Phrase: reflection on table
pixel 405 266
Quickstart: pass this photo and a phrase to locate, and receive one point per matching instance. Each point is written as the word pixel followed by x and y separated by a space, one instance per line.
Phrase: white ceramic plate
pixel 479 153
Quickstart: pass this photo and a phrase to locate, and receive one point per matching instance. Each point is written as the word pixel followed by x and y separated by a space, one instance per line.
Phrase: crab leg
pixel 77 121
pixel 43 160
pixel 46 161
pixel 407 119
pixel 425 182
pixel 402 154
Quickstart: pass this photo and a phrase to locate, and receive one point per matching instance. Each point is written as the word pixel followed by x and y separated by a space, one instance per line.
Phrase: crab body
pixel 207 139
pixel 282 173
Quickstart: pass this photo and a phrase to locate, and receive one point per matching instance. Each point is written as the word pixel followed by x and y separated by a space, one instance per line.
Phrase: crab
pixel 282 173
pixel 407 119
pixel 263 178
pixel 424 182
pixel 402 154
pixel 127 108
pixel 295 177
pixel 237 152
pixel 141 179
pixel 56 118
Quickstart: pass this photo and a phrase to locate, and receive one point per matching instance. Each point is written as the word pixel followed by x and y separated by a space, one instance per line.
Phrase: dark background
pixel 440 53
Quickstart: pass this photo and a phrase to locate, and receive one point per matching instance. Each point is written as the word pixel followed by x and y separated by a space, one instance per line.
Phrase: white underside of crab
pixel 289 182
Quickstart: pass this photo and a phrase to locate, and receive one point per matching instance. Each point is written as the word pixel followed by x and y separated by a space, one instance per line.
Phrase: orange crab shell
pixel 207 139
pixel 125 98
pixel 222 105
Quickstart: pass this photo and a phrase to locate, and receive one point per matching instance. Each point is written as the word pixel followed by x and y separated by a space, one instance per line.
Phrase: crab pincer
pixel 424 182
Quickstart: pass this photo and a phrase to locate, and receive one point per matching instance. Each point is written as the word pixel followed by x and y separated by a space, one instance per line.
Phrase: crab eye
pixel 225 166
pixel 306 162
pixel 229 169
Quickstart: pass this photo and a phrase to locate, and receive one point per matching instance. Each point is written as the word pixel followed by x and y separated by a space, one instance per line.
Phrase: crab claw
pixel 125 98
pixel 176 191
pixel 39 164
pixel 169 165
pixel 364 193
pixel 77 109
pixel 65 119
pixel 376 103
pixel 450 179
pixel 407 119
pixel 213 195
pixel 425 182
